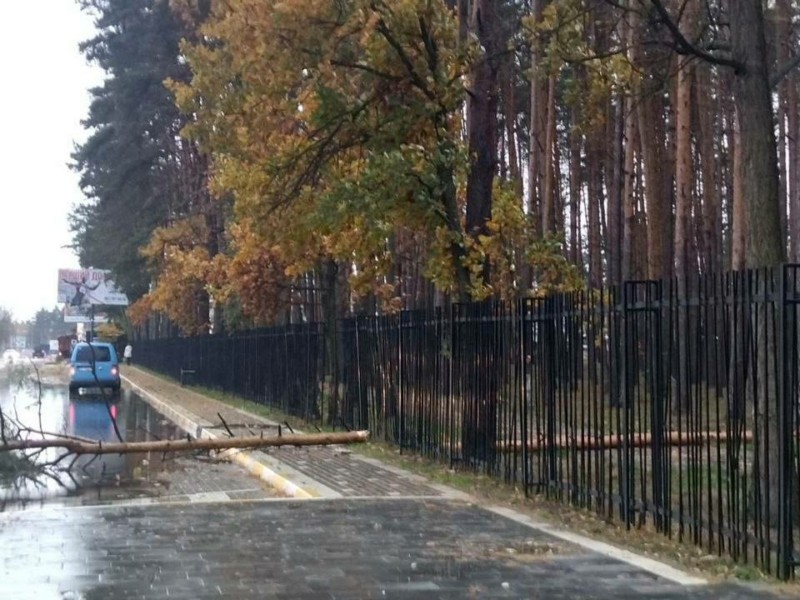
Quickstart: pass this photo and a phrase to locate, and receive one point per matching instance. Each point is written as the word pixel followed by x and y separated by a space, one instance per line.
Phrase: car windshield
pixel 101 354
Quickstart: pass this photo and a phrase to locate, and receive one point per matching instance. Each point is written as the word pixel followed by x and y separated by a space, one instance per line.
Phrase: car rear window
pixel 101 354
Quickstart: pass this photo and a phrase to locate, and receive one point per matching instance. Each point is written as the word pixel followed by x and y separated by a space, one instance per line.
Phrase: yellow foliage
pixel 513 247
pixel 255 274
pixel 179 258
pixel 327 123
pixel 139 312
pixel 108 332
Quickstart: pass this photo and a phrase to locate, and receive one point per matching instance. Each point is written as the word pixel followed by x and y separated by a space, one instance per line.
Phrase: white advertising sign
pixel 83 314
pixel 83 287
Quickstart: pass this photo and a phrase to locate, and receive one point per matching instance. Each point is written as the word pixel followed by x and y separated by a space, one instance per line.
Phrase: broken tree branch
pixel 77 447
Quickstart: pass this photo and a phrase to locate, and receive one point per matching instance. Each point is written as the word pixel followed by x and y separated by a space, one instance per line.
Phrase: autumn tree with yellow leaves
pixel 338 130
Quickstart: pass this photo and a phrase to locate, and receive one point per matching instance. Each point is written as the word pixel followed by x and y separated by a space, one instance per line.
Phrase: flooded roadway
pixel 111 477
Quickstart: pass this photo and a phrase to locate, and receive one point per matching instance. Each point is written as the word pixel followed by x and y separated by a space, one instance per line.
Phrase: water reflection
pixel 89 416
pixel 98 419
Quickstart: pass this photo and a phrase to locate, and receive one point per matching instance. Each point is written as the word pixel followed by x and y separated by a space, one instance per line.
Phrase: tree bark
pixel 615 182
pixel 595 201
pixel 711 197
pixel 482 120
pixel 575 187
pixel 793 132
pixel 738 218
pixel 536 125
pixel 548 186
pixel 629 193
pixel 658 191
pixel 753 100
pixel 684 183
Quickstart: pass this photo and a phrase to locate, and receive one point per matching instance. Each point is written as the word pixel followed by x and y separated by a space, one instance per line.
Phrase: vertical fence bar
pixel 626 408
pixel 785 558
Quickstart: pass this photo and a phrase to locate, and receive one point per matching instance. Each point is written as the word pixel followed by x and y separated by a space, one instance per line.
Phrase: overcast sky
pixel 44 97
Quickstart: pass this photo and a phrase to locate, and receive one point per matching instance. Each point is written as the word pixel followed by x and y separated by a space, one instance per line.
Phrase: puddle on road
pixel 97 417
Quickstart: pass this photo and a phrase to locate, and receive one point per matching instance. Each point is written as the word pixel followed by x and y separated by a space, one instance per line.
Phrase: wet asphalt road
pixel 347 548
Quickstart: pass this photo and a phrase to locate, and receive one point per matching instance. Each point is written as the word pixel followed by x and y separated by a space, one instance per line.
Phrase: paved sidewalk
pixel 319 472
pixel 593 569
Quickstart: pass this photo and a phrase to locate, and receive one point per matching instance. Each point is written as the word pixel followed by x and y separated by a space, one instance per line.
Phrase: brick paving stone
pixel 349 475
pixel 342 548
pixel 341 472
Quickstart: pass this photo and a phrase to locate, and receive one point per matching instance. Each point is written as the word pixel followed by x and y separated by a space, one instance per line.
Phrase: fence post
pixel 400 407
pixel 450 394
pixel 626 408
pixel 785 307
pixel 523 306
pixel 548 357
pixel 629 366
pixel 658 424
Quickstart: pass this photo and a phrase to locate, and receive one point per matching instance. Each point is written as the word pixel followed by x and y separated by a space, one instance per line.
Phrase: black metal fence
pixel 667 406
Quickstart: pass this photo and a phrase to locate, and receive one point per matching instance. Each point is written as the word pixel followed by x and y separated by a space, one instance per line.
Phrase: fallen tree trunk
pixel 188 445
pixel 634 440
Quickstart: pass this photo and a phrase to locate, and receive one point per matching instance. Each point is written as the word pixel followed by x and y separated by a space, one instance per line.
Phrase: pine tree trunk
pixel 793 130
pixel 595 201
pixel 615 185
pixel 575 187
pixel 711 197
pixel 658 193
pixel 738 218
pixel 753 100
pixel 629 193
pixel 683 168
pixel 548 184
pixel 509 108
pixel 536 125
pixel 482 121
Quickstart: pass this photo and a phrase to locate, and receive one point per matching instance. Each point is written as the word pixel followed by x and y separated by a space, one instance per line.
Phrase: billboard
pixel 84 287
pixel 83 314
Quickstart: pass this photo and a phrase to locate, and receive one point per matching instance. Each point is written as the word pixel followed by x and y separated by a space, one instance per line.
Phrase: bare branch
pixel 684 46
pixel 228 429
pixel 783 70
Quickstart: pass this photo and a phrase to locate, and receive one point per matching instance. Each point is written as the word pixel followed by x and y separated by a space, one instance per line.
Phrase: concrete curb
pixel 189 424
pixel 265 474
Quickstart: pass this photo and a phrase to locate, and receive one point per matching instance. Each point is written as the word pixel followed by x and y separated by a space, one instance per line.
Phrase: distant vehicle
pixel 94 365
pixel 41 351
pixel 11 357
pixel 65 345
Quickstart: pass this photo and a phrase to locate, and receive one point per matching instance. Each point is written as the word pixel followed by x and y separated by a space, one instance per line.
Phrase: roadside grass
pixel 487 489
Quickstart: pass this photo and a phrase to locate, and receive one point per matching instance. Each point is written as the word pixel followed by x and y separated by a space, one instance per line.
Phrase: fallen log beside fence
pixel 634 440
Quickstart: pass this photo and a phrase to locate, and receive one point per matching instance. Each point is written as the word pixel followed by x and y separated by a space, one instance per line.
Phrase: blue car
pixel 94 365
